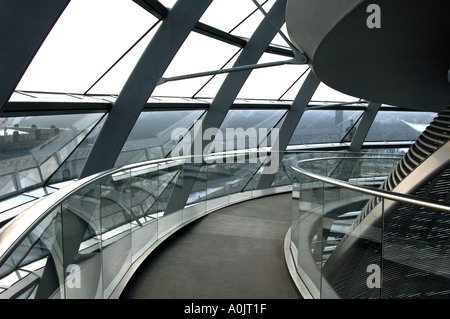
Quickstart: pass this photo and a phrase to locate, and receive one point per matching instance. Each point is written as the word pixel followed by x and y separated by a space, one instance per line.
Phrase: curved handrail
pixel 17 229
pixel 409 199
pixel 15 232
pixel 23 223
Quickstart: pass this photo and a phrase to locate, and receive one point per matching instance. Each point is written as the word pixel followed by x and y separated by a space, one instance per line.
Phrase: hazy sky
pixel 91 35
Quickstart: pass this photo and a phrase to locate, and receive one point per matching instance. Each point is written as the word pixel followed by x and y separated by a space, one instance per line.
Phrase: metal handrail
pixel 10 237
pixel 12 234
pixel 377 192
pixel 16 230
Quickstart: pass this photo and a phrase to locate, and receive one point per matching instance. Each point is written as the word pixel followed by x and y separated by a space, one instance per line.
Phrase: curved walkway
pixel 233 253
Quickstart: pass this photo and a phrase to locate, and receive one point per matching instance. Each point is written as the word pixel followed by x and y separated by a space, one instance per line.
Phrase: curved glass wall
pixel 399 251
pixel 326 126
pixel 151 137
pixel 398 126
pixel 246 129
pixel 109 222
pixel 72 166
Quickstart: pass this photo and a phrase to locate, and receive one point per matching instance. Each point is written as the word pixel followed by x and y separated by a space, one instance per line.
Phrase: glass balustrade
pixel 86 240
pixel 351 240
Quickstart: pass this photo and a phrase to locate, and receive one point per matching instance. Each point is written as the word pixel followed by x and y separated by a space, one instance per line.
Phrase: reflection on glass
pixel 81 225
pixel 398 126
pixel 108 225
pixel 325 126
pixel 349 244
pixel 116 216
pixel 72 166
pixel 40 250
pixel 151 137
pixel 244 129
pixel 36 146
pixel 415 252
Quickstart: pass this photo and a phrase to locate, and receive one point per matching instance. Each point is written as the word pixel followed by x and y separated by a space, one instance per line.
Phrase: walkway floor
pixel 234 253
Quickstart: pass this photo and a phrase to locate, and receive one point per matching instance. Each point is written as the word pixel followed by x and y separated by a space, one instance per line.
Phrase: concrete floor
pixel 234 253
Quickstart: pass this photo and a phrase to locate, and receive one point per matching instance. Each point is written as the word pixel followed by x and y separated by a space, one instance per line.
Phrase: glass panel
pixel 281 177
pixel 40 250
pixel 214 83
pixel 168 3
pixel 415 252
pixel 144 191
pixel 82 246
pixel 398 126
pixel 218 177
pixel 14 202
pixel 217 184
pixel 116 218
pixel 197 54
pixel 144 194
pixel 152 135
pixel 35 146
pixel 271 82
pixel 29 177
pixel 196 203
pixel 168 179
pixel 350 249
pixel 168 175
pixel 244 129
pixel 198 193
pixel 249 25
pixel 337 233
pixel 72 166
pixel 278 39
pixel 292 91
pixel 114 80
pixel 295 223
pixel 326 94
pixel 227 14
pixel 309 249
pixel 49 166
pixel 252 183
pixel 7 184
pixel 241 176
pixel 74 55
pixel 325 126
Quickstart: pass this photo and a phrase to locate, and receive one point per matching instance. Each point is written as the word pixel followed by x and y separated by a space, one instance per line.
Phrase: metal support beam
pixel 226 95
pixel 296 52
pixel 142 81
pixel 364 127
pixel 229 70
pixel 24 27
pixel 289 125
pixel 154 7
pixel 223 36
